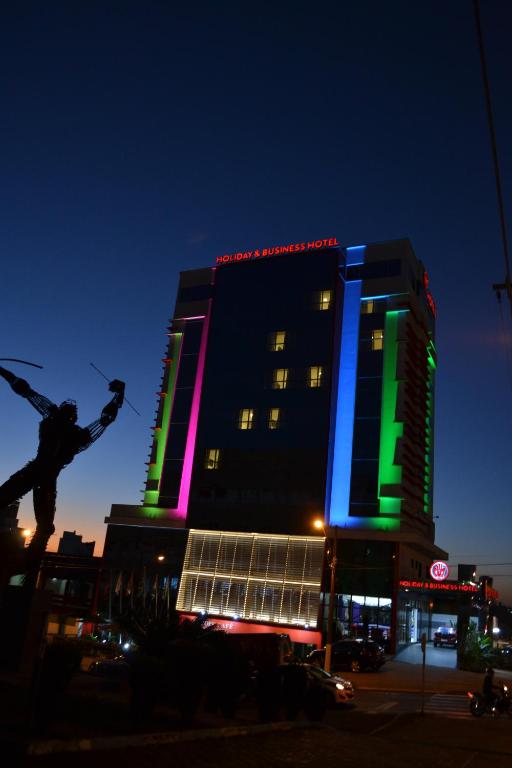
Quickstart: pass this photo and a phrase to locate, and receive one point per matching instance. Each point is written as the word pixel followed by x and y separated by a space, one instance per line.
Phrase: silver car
pixel 340 691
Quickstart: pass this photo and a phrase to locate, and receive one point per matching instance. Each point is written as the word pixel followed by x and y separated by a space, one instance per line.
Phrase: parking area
pixel 436 657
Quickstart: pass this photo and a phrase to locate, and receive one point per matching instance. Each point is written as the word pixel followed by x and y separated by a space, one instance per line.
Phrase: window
pixel 246 418
pixel 322 299
pixel 315 375
pixel 377 340
pixel 212 458
pixel 277 341
pixel 280 378
pixel 367 307
pixel 274 418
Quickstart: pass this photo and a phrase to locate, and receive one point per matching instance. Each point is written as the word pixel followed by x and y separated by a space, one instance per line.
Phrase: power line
pixel 507 285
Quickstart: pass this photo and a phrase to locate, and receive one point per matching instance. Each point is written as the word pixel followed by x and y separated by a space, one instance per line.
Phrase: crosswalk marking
pixel 448 705
pixel 382 707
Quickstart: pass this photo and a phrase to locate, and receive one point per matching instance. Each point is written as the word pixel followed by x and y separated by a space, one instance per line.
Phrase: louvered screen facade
pixel 253 576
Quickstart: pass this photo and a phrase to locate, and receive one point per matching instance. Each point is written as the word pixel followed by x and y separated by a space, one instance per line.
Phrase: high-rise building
pixel 298 384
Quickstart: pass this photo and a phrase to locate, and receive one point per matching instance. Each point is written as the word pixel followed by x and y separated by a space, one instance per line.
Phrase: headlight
pixel 340 687
pixel 505 688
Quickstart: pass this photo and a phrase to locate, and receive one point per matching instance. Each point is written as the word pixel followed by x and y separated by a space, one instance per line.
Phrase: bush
pixel 476 653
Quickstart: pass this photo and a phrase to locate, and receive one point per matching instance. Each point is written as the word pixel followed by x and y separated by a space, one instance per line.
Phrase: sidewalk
pixel 399 676
pixel 399 743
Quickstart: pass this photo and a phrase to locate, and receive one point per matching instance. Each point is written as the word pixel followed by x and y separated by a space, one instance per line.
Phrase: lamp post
pixel 332 561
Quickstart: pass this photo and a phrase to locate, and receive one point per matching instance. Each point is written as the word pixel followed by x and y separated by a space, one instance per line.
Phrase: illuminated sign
pixel 439 571
pixel 437 586
pixel 259 253
pixel 430 299
pixel 234 627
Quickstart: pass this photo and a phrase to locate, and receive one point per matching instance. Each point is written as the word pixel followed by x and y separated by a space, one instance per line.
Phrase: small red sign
pixel 430 299
pixel 439 571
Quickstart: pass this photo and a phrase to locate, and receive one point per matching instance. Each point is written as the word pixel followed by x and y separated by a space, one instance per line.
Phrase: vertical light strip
pixel 162 433
pixel 188 460
pixel 390 474
pixel 429 421
pixel 339 502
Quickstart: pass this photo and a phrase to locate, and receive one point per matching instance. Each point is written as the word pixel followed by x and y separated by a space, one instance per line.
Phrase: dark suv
pixel 445 636
pixel 356 655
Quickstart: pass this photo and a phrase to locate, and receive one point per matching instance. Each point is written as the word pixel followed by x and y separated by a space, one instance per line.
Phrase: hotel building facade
pixel 298 384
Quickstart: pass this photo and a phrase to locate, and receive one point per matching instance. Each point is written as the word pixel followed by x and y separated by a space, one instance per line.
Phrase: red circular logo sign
pixel 439 571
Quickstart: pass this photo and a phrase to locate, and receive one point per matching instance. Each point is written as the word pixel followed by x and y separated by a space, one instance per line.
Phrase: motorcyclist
pixel 490 691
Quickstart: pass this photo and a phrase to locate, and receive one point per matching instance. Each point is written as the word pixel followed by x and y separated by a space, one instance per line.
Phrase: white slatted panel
pixel 252 576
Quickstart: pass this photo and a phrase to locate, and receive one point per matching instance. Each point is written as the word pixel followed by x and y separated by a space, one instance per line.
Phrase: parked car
pixel 116 667
pixel 445 636
pixel 340 691
pixel 356 655
pixel 503 657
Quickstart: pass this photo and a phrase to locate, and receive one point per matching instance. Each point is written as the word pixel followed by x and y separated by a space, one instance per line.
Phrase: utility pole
pixel 333 559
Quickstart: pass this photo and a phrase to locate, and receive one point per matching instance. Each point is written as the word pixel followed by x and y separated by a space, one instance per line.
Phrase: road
pixel 376 702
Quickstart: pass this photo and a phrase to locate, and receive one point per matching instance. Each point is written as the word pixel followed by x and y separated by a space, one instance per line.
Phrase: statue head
pixel 68 411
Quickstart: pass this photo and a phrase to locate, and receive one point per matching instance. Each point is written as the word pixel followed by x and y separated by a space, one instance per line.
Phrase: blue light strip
pixel 337 506
pixel 355 255
pixel 382 296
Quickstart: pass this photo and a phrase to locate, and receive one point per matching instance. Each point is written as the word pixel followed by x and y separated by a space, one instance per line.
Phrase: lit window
pixel 274 418
pixel 212 458
pixel 377 340
pixel 367 307
pixel 315 375
pixel 280 378
pixel 323 299
pixel 246 418
pixel 277 341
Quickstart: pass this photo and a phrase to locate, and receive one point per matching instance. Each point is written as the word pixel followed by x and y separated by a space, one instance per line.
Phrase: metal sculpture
pixel 60 440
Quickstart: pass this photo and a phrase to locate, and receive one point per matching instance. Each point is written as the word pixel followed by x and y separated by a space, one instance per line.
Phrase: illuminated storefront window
pixel 264 577
pixel 364 616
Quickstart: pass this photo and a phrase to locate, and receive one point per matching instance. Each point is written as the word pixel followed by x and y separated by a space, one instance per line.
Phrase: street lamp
pixel 332 561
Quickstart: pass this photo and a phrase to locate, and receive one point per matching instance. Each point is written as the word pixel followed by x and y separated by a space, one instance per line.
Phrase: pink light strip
pixel 186 477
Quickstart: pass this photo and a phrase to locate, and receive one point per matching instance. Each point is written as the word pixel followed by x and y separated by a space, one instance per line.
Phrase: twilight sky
pixel 139 139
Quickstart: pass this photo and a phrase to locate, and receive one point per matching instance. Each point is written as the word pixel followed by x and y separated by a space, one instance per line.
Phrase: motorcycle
pixel 501 705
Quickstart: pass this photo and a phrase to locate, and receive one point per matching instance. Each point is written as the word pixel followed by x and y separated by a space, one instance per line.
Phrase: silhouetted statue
pixel 60 439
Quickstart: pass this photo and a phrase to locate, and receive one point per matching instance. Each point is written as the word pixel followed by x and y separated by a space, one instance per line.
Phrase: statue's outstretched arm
pixel 22 388
pixel 108 414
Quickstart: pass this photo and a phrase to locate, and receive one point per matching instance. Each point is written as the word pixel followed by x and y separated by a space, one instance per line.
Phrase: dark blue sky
pixel 141 139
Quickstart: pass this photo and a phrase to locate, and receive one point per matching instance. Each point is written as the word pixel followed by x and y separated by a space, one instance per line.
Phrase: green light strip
pixel 160 435
pixel 390 430
pixel 431 366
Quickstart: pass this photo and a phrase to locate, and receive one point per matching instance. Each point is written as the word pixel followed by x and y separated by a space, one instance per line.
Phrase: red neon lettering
pixel 328 242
